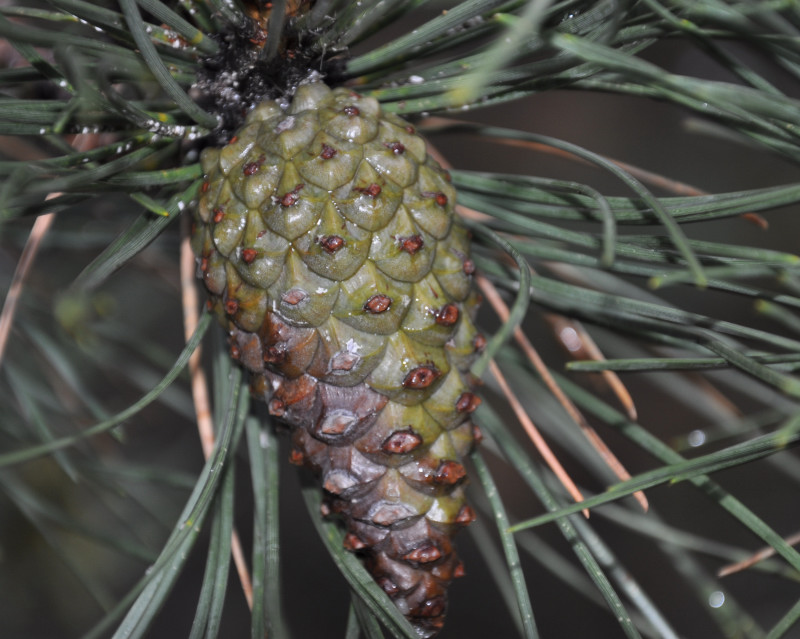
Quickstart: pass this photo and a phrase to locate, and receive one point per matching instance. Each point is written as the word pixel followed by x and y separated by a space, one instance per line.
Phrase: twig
pixel 200 395
pixel 191 303
pixel 759 556
pixel 569 274
pixel 26 260
pixel 241 568
pixel 499 306
pixel 536 437
pixel 588 349
pixel 41 226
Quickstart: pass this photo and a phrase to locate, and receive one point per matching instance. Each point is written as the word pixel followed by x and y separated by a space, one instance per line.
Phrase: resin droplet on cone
pixel 326 237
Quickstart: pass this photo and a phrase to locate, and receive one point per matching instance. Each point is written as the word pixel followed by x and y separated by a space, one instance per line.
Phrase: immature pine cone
pixel 326 237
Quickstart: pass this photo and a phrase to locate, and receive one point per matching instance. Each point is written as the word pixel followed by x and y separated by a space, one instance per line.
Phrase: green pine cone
pixel 327 239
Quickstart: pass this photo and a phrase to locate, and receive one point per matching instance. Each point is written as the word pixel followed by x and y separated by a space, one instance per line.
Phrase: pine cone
pixel 327 240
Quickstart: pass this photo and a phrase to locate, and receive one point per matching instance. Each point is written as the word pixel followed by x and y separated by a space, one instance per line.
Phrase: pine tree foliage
pixel 108 506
